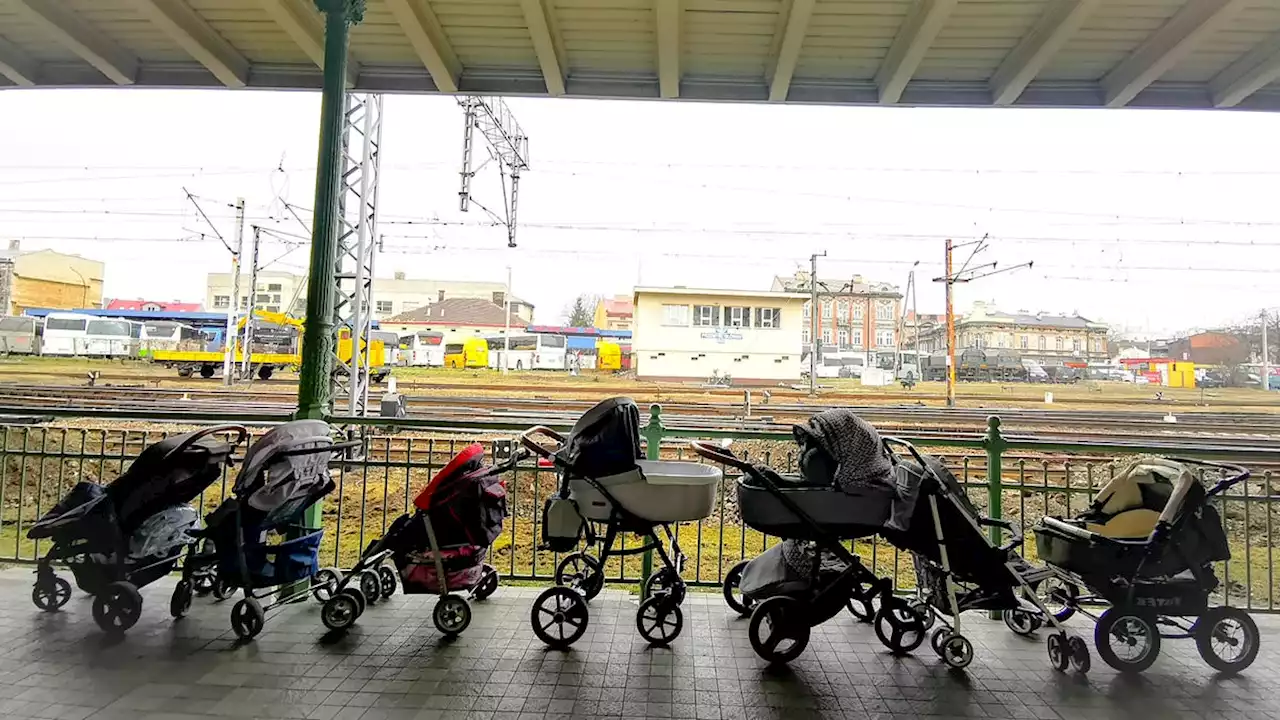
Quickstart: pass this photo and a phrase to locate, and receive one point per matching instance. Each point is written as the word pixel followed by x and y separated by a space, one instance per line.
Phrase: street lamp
pixel 84 287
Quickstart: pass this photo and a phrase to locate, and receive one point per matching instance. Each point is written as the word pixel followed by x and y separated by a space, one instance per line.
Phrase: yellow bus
pixel 470 353
pixel 608 356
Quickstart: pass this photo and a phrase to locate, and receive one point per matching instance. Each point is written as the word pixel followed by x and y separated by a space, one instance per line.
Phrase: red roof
pixel 622 308
pixel 154 305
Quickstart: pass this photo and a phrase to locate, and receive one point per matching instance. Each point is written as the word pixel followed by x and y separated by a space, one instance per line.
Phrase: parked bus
pixel 64 334
pixel 390 346
pixel 424 348
pixel 169 335
pixel 18 335
pixel 470 353
pixel 111 337
pixel 530 352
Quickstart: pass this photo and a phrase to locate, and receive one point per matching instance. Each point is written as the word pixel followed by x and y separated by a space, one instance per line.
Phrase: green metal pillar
pixel 653 449
pixel 314 382
pixel 995 445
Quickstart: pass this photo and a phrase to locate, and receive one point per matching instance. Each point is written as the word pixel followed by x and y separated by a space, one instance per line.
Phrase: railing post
pixel 653 448
pixel 995 444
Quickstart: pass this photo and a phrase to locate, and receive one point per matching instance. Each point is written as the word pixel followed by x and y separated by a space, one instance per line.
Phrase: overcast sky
pixel 1154 220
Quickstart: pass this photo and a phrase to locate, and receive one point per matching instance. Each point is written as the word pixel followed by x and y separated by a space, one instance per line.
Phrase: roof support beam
pixel 16 65
pixel 201 41
pixel 300 22
pixel 668 19
pixel 1059 22
pixel 423 29
pixel 1165 48
pixel 546 44
pixel 1246 76
pixel 793 31
pixel 909 47
pixel 92 46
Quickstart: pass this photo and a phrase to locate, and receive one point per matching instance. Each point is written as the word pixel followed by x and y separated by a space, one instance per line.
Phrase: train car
pixel 424 348
pixel 471 353
pixel 18 335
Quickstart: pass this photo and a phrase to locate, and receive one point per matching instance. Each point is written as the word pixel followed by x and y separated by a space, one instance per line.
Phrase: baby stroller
pixel 1145 547
pixel 958 568
pixel 122 537
pixel 285 472
pixel 439 549
pixel 603 482
pixel 843 493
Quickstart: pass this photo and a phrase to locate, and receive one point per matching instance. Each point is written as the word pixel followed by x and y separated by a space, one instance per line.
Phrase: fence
pixel 1005 477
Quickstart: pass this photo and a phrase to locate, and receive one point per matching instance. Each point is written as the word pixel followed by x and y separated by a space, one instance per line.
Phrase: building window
pixel 859 311
pixel 808 309
pixel 884 337
pixel 1057 343
pixel 804 336
pixel 274 287
pixel 826 336
pixel 826 309
pixel 706 315
pixel 244 302
pixel 843 307
pixel 1075 345
pixel 884 309
pixel 222 301
pixel 738 316
pixel 843 338
pixel 677 315
pixel 1041 342
pixel 857 338
pixel 382 306
pixel 1025 342
pixel 768 317
pixel 262 299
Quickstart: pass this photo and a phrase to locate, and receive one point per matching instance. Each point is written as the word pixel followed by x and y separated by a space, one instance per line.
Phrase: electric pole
pixel 1266 366
pixel 228 361
pixel 246 363
pixel 506 330
pixel 815 341
pixel 508 146
pixel 963 275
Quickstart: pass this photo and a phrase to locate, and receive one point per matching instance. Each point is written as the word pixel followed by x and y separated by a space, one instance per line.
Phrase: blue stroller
pixel 259 543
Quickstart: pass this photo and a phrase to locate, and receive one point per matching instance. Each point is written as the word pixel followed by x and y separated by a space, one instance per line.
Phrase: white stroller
pixel 604 482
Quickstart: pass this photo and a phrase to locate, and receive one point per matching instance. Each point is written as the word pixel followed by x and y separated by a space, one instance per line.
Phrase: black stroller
pixel 603 482
pixel 439 549
pixel 1146 547
pixel 130 533
pixel 958 568
pixel 285 472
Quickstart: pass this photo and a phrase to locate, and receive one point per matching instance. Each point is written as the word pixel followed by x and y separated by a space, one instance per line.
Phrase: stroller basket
pixel 655 490
pixel 270 565
pixel 839 512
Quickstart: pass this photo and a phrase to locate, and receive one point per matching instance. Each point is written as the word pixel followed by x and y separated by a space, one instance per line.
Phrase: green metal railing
pixel 1005 476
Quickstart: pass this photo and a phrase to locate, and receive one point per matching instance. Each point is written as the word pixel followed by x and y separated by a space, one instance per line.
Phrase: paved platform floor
pixel 395 666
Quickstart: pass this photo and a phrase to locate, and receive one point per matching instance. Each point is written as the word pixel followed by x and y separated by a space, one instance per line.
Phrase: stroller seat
pixel 1128 507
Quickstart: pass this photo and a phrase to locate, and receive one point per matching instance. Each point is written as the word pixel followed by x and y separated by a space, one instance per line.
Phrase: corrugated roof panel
pixel 1248 29
pixel 380 39
pixel 30 38
pixel 250 30
pixel 1108 36
pixel 123 25
pixel 617 36
pixel 849 40
pixel 487 33
pixel 728 43
pixel 976 38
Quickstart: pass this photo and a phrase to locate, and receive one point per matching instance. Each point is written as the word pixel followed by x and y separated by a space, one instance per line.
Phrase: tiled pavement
pixel 394 666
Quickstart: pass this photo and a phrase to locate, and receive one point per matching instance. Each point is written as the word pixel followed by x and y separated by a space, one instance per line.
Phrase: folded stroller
pixel 958 568
pixel 439 549
pixel 258 541
pixel 604 483
pixel 1146 547
pixel 119 538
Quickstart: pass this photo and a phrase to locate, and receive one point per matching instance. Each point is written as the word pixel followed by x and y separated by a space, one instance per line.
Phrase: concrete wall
pixel 50 279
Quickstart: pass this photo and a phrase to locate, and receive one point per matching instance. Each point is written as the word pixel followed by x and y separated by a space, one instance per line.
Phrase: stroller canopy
pixel 171 472
pixel 839 448
pixel 272 479
pixel 471 458
pixel 606 439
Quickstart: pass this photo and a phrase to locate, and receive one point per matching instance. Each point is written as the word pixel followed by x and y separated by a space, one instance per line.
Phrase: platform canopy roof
pixel 1080 53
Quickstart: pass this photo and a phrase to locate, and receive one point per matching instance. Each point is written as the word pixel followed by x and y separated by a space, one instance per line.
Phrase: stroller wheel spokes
pixel 117 607
pixel 740 603
pixel 50 594
pixel 1059 651
pixel 582 572
pixel 665 582
pixel 223 589
pixel 452 615
pixel 386 581
pixel 340 611
pixel 180 603
pixel 922 610
pixel 659 619
pixel 778 629
pixel 247 618
pixel 957 651
pixel 862 604
pixel 1128 640
pixel 898 626
pixel 324 584
pixel 1227 639
pixel 371 586
pixel 1021 621
pixel 488 584
pixel 559 617
pixel 1058 596
pixel 1080 659
pixel 203 582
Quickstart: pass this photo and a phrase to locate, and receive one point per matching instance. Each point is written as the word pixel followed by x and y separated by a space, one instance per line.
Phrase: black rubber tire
pixel 1059 650
pixel 52 594
pixel 180 601
pixel 203 583
pixel 924 611
pixel 1080 659
pixel 957 652
pixel 224 589
pixel 206 371
pixel 1020 622
pixel 738 602
pixel 560 607
pixel 1124 619
pixel 938 638
pixel 582 572
pixel 898 627
pixel 247 618
pixel 785 617
pixel 1211 622
pixel 358 596
pixel 340 612
pixel 488 584
pixel 665 581
pixel 264 372
pixel 659 620
pixel 324 584
pixel 117 607
pixel 371 586
pixel 1063 592
pixel 451 615
pixel 386 581
pixel 861 607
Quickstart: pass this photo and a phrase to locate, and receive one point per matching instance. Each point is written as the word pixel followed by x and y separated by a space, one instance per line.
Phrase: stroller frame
pixel 118 604
pixel 580 576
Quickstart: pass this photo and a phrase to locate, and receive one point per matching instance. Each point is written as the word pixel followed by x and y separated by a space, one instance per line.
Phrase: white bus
pixel 169 335
pixel 64 334
pixel 530 352
pixel 390 346
pixel 424 348
pixel 111 337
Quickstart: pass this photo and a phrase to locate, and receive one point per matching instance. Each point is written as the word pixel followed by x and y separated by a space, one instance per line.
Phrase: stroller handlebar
pixel 527 439
pixel 723 455
pixel 242 434
pixel 1238 473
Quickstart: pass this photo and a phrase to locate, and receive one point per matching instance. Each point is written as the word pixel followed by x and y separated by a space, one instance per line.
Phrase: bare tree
pixel 582 311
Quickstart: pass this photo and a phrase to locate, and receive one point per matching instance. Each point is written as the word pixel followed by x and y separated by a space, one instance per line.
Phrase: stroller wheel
pixel 488 585
pixel 957 652
pixel 1080 660
pixel 340 612
pixel 1059 651
pixel 559 617
pixel 223 589
pixel 1227 639
pixel 922 609
pixel 371 586
pixel 357 596
pixel 50 595
pixel 581 572
pixel 659 619
pixel 202 583
pixel 452 615
pixel 938 639
pixel 247 618
pixel 1128 640
pixel 665 581
pixel 324 584
pixel 387 581
pixel 898 627
pixel 740 603
pixel 778 629
pixel 1059 597
pixel 861 606
pixel 1020 621
pixel 117 607
pixel 180 603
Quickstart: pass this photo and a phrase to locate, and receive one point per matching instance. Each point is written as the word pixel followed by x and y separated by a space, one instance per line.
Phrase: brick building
pixel 855 316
